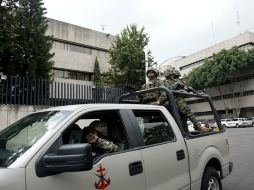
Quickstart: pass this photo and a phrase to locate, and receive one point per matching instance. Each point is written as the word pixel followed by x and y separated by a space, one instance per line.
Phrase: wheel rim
pixel 213 184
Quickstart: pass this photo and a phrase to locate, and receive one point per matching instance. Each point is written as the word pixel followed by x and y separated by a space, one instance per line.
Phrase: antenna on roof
pixel 238 20
pixel 103 27
pixel 213 33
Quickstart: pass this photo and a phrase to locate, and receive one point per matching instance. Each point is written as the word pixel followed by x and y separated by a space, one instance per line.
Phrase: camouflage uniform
pixel 156 134
pixel 106 145
pixel 102 143
pixel 152 96
pixel 170 84
pixel 184 110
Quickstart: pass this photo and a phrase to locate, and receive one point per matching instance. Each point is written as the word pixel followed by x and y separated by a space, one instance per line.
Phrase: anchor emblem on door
pixel 103 182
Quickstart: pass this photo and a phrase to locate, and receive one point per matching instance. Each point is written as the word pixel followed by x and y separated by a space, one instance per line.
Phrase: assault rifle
pixel 183 86
pixel 130 89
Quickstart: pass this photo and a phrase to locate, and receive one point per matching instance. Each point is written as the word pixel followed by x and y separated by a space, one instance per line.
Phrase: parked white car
pixel 239 122
pixel 251 119
pixel 225 122
pixel 247 123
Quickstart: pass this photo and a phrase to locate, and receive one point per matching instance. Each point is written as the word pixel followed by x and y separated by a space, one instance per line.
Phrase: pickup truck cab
pixel 48 150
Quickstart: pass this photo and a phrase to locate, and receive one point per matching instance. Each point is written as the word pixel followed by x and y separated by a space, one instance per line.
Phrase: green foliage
pixel 8 37
pixel 150 60
pixel 250 59
pixel 97 74
pixel 222 67
pixel 30 49
pixel 127 57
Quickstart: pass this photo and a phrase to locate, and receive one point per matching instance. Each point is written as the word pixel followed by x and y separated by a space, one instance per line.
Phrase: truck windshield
pixel 20 136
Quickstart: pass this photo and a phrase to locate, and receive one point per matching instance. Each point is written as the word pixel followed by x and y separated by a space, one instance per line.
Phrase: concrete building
pixel 76 49
pixel 228 98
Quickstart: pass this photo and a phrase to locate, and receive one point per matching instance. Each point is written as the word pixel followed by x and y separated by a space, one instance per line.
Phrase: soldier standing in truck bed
pixel 173 82
pixel 154 98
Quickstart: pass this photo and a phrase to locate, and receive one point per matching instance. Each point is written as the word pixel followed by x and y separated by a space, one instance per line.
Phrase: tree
pixel 8 37
pixel 127 57
pixel 222 68
pixel 150 60
pixel 97 74
pixel 36 60
pixel 27 52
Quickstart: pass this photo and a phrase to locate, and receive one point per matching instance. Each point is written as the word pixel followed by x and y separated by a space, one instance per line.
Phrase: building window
pixel 80 49
pixel 72 75
pixel 88 76
pixel 74 48
pixel 80 76
pixel 67 74
pixel 58 73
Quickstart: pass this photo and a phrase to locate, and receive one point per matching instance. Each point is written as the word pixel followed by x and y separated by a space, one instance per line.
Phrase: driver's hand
pixel 91 138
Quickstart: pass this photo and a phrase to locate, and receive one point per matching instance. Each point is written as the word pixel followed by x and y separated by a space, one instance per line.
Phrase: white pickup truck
pixel 47 150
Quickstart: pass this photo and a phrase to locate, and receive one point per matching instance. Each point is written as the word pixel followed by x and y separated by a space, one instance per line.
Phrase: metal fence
pixel 24 91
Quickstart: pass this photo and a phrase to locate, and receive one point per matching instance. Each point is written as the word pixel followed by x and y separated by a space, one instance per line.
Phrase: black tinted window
pixel 154 127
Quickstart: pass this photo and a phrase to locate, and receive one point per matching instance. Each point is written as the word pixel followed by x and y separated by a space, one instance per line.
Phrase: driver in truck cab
pixel 96 136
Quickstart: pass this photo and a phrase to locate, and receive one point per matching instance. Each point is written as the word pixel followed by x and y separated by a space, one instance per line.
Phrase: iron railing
pixel 24 91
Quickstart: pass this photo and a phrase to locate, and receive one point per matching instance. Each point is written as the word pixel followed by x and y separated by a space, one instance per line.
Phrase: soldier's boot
pixel 203 130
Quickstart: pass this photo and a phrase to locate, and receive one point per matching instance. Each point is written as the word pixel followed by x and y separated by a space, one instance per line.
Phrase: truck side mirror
pixel 69 158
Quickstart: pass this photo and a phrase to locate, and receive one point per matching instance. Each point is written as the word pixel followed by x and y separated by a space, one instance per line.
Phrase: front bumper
pixel 247 125
pixel 230 125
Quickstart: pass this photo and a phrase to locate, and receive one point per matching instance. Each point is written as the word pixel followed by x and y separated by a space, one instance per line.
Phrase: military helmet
pixel 99 126
pixel 152 69
pixel 177 73
pixel 168 73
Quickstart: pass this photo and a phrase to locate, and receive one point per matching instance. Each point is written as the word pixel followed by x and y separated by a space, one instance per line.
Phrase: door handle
pixel 135 168
pixel 180 155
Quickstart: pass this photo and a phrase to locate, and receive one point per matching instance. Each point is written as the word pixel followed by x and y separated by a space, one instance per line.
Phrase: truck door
pixel 122 169
pixel 164 151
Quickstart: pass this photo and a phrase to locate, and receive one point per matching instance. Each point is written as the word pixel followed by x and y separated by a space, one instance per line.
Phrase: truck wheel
pixel 237 126
pixel 211 180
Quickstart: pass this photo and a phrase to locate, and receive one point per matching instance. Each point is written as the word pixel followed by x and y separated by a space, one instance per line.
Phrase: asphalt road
pixel 242 154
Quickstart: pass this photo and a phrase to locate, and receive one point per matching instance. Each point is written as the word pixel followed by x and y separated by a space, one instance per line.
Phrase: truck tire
pixel 211 180
pixel 236 125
